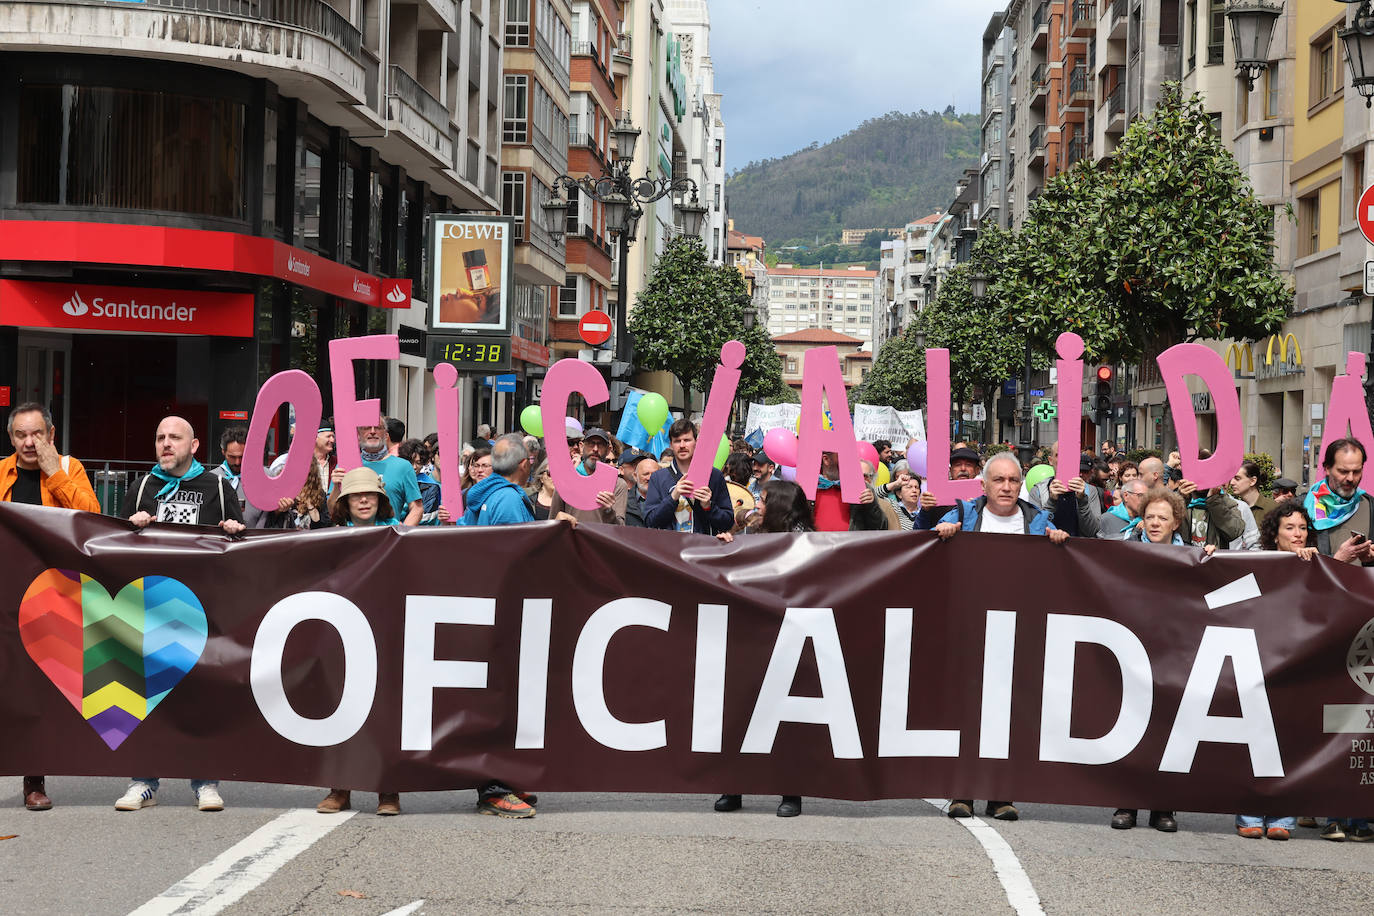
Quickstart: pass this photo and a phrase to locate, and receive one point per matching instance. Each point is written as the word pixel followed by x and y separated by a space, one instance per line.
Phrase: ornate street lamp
pixel 623 197
pixel 1358 40
pixel 978 285
pixel 1252 31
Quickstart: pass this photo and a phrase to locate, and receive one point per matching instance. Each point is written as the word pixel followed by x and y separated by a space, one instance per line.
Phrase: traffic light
pixel 1103 400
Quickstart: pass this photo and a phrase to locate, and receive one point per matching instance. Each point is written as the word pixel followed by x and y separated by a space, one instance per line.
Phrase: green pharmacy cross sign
pixel 1045 411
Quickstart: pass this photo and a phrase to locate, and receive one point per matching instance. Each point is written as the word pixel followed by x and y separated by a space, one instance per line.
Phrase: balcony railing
pixel 1075 151
pixel 1082 13
pixel 1118 10
pixel 307 15
pixel 1116 101
pixel 405 88
pixel 1080 84
pixel 1041 16
pixel 583 49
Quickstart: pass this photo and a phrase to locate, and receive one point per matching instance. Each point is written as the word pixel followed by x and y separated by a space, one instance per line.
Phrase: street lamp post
pixel 623 196
pixel 1252 31
pixel 1358 41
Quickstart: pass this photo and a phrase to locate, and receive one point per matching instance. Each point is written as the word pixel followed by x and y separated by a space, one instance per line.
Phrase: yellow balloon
pixel 825 423
pixel 884 475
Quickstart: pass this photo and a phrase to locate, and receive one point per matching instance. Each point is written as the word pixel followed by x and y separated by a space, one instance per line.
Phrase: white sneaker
pixel 138 795
pixel 208 799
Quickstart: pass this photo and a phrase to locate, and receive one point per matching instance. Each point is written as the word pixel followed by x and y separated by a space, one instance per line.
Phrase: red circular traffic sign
pixel 595 328
pixel 1364 212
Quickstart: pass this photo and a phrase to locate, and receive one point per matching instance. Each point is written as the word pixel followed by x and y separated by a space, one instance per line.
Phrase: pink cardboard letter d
pixel 1195 359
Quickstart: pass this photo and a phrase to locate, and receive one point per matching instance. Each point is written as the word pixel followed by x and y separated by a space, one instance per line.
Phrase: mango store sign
pixel 823 395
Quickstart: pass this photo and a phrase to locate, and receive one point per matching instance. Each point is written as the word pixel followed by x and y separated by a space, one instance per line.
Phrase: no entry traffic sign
pixel 1364 212
pixel 595 328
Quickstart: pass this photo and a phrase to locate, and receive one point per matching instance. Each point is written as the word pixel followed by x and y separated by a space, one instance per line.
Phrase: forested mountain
pixel 882 174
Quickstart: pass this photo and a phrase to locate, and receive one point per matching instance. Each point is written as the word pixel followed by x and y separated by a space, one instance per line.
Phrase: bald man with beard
pixel 179 489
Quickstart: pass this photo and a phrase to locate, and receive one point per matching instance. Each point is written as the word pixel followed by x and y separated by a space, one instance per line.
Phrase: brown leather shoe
pixel 388 804
pixel 337 800
pixel 34 797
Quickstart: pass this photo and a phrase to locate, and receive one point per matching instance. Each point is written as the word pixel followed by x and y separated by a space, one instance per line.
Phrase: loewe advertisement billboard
pixel 471 274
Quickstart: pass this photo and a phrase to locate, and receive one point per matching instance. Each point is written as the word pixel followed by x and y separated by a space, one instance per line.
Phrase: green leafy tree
pixel 1166 243
pixel 898 376
pixel 687 311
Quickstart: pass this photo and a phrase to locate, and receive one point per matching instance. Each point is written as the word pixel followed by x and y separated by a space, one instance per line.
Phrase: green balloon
pixel 653 412
pixel 1037 474
pixel 531 422
pixel 722 452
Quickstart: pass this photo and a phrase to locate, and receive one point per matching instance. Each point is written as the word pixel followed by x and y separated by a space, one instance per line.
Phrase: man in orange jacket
pixel 38 475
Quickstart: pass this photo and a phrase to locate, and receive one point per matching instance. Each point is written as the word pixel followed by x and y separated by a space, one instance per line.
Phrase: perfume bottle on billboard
pixel 475 264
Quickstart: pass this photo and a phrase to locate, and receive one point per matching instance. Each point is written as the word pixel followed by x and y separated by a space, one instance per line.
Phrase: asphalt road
pixel 637 854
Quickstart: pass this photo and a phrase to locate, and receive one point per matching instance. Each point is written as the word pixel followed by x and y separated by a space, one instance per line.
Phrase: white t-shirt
pixel 996 524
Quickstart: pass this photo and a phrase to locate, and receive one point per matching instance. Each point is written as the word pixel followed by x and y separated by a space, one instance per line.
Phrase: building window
pixel 718 153
pixel 1216 31
pixel 1242 102
pixel 1356 183
pixel 129 149
pixel 1272 84
pixel 568 298
pixel 1168 22
pixel 513 200
pixel 792 365
pixel 574 217
pixel 516 126
pixel 1323 85
pixel 1191 29
pixel 518 23
pixel 1309 225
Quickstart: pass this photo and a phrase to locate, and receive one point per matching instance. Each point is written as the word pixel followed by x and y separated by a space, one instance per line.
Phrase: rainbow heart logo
pixel 114 659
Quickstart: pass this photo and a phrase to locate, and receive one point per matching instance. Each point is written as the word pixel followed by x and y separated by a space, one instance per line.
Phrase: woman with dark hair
pixel 785 509
pixel 431 493
pixel 739 471
pixel 1286 527
pixel 310 509
pixel 478 468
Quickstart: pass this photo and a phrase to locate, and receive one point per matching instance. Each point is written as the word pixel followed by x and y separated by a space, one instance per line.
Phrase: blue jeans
pixel 196 784
pixel 1266 821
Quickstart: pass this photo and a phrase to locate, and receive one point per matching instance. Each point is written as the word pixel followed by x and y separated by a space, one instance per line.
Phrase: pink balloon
pixel 788 474
pixel 869 453
pixel 781 446
pixel 916 458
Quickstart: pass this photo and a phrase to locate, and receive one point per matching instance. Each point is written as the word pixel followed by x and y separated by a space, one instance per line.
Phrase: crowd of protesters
pixel 506 480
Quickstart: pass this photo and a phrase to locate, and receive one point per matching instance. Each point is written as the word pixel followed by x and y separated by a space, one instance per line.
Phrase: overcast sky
pixel 793 71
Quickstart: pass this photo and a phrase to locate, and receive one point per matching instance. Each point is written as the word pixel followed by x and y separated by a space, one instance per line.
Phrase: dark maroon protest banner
pixel 856 666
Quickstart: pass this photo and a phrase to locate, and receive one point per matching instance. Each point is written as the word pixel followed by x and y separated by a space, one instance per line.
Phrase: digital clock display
pixel 479 353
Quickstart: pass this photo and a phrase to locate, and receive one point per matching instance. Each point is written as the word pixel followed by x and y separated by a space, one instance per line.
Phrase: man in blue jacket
pixel 675 503
pixel 499 498
pixel 999 510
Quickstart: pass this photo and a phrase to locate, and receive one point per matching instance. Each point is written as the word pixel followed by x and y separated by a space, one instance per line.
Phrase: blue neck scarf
pixel 374 456
pixel 172 482
pixel 228 472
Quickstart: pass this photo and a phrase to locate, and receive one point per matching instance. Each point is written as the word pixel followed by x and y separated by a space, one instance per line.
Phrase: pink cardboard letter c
pixel 565 377
pixel 1195 359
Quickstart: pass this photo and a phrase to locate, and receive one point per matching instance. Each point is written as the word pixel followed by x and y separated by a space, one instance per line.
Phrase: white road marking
pixel 1017 884
pixel 245 865
pixel 406 910
pixel 1243 589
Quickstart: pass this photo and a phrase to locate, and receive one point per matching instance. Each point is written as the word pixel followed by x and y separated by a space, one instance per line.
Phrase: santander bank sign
pixel 90 307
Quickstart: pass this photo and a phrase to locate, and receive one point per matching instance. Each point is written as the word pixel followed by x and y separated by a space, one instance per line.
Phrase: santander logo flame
pixel 75 306
pixel 396 295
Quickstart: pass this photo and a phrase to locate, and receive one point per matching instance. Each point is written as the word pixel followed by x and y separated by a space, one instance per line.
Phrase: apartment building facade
pixel 819 298
pixel 274 167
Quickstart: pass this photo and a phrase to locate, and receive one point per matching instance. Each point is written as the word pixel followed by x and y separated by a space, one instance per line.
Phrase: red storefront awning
pixel 193 249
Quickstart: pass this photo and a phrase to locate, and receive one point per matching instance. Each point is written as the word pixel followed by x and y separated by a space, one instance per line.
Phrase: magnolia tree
pixel 1165 243
pixel 687 311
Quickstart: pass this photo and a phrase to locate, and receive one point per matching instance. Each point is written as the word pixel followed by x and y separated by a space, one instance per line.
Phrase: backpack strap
pixel 138 500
